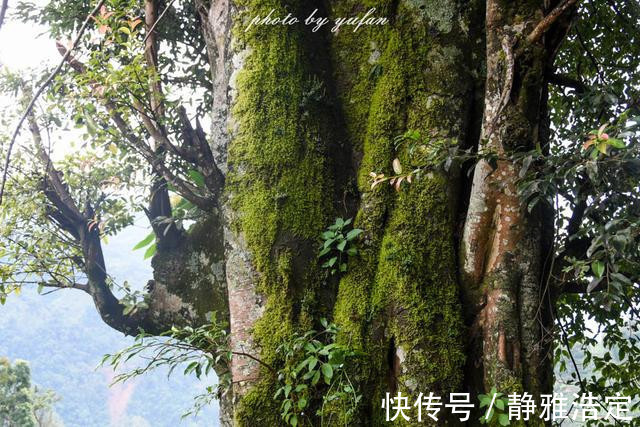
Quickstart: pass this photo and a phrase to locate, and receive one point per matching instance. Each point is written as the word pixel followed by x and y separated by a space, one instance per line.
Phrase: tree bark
pixel 433 310
pixel 449 290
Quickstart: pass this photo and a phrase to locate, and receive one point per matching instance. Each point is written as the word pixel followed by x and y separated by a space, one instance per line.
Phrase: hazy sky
pixel 23 46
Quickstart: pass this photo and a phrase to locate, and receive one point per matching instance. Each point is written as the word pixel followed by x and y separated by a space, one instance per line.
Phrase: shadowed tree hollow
pixel 451 132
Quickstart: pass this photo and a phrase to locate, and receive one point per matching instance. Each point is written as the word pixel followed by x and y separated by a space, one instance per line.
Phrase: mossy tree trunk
pixel 447 291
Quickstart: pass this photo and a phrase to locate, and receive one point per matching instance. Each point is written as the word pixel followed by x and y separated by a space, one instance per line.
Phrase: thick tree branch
pixel 154 158
pixel 168 235
pixel 88 236
pixel 195 148
pixel 151 29
pixel 151 56
pixel 67 213
pixel 55 284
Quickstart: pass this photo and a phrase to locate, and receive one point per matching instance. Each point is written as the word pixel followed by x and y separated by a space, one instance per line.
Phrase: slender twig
pixel 548 21
pixel 263 363
pixel 565 339
pixel 40 90
pixel 153 27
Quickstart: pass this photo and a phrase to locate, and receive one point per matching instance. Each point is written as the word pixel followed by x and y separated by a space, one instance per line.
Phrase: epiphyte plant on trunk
pixel 338 245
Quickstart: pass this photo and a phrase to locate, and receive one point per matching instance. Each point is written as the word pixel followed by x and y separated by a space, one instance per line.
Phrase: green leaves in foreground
pixel 194 350
pixel 338 244
pixel 495 405
pixel 314 375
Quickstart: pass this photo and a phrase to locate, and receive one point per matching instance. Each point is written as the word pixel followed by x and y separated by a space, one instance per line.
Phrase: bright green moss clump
pixel 416 280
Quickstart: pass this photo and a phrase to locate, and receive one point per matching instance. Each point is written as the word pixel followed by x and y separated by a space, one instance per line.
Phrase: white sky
pixel 24 45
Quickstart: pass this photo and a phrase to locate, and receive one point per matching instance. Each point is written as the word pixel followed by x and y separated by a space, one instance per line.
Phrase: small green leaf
pixel 503 419
pixel 323 252
pixel 150 251
pixel 197 178
pixel 598 268
pixel 312 363
pixel 327 371
pixel 328 235
pixel 593 284
pixel 302 403
pixel 144 242
pixel 354 233
pixel 328 242
pixel 616 143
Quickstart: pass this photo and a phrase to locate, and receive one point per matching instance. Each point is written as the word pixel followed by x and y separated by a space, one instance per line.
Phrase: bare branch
pixel 3 11
pixel 153 27
pixel 566 81
pixel 39 92
pixel 548 21
pixel 151 56
pixel 80 286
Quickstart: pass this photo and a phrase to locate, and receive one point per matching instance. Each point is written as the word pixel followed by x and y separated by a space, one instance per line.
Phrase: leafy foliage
pixel 496 404
pixel 197 350
pixel 314 370
pixel 423 154
pixel 590 181
pixel 338 244
pixel 587 173
pixel 314 366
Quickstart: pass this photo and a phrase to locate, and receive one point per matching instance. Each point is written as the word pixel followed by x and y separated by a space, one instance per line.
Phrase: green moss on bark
pixel 194 270
pixel 400 299
pixel 388 79
pixel 280 183
pixel 416 281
